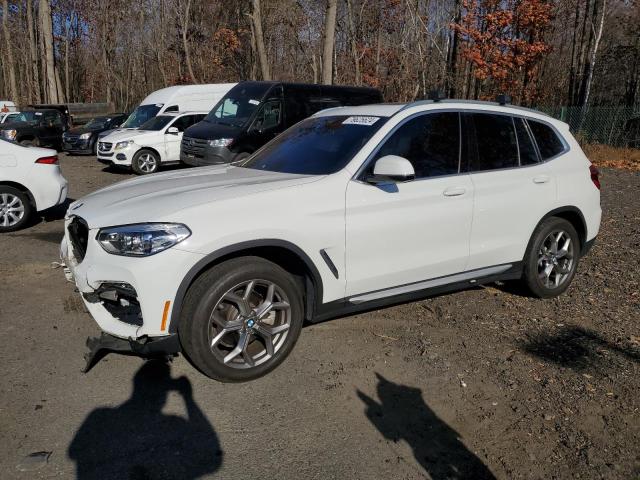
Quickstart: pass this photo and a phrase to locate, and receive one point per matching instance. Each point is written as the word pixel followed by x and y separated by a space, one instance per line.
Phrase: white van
pixel 180 98
pixel 7 106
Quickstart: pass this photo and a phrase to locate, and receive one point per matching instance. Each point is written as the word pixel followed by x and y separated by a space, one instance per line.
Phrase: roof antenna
pixel 503 99
pixel 436 95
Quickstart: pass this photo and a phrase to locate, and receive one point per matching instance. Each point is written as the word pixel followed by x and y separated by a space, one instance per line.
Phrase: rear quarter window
pixel 549 144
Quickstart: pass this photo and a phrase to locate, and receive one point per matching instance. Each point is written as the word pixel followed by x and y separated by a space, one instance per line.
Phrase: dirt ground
pixel 478 384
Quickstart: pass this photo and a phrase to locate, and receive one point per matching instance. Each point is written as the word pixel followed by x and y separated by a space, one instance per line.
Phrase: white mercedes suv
pixel 353 208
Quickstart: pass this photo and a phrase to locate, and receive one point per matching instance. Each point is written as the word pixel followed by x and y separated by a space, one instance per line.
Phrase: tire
pixel 550 262
pixel 29 142
pixel 15 209
pixel 231 360
pixel 145 162
pixel 94 148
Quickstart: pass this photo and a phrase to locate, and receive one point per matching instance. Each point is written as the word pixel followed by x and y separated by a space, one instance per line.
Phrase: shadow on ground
pixel 136 441
pixel 578 348
pixel 402 414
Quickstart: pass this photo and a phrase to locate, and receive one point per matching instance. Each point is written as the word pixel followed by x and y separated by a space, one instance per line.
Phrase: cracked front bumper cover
pixel 144 347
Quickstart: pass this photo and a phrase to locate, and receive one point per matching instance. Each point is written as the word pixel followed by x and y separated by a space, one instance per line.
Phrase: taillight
pixel 52 160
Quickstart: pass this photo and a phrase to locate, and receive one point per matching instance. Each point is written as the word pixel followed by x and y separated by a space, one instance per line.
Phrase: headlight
pixel 220 142
pixel 9 134
pixel 143 239
pixel 124 144
pixel 85 136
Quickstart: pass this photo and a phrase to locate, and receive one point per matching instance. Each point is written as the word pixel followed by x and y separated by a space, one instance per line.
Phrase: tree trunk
pixel 594 52
pixel 51 90
pixel 11 68
pixel 354 45
pixel 329 40
pixel 33 57
pixel 256 19
pixel 185 44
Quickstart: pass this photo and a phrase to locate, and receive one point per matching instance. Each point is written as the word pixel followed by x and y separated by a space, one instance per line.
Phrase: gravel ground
pixel 475 384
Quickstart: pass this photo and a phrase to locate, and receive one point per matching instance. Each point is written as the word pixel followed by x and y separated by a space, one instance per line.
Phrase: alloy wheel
pixel 12 210
pixel 555 259
pixel 147 162
pixel 249 324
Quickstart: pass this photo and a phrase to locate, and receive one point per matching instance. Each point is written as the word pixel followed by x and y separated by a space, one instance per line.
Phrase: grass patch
pixel 613 157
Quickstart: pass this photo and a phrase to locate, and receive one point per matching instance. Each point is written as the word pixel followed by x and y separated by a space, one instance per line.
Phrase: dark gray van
pixel 252 113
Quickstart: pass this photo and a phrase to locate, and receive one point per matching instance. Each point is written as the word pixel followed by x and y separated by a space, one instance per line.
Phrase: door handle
pixel 541 179
pixel 454 191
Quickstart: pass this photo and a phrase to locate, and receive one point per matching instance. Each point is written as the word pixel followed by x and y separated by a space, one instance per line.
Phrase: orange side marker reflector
pixel 165 314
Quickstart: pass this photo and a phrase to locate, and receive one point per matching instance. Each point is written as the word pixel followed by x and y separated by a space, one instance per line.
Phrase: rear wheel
pixel 552 258
pixel 241 319
pixel 145 162
pixel 15 209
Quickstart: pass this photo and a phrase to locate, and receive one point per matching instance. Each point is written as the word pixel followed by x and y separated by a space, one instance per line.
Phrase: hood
pixel 109 132
pixel 83 129
pixel 160 197
pixel 126 134
pixel 16 125
pixel 211 131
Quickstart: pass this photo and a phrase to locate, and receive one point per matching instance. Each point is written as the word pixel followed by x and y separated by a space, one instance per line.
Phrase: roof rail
pixel 503 99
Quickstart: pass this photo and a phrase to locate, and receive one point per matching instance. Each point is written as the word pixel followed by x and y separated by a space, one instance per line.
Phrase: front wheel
pixel 15 209
pixel 552 258
pixel 145 162
pixel 241 319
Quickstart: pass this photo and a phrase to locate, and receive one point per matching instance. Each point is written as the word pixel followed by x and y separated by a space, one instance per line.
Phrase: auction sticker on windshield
pixel 368 121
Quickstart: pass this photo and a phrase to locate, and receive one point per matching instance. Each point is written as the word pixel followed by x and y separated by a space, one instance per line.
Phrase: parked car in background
pixel 252 113
pixel 180 98
pixel 8 117
pixel 84 139
pixel 352 209
pixel 30 181
pixel 155 142
pixel 36 128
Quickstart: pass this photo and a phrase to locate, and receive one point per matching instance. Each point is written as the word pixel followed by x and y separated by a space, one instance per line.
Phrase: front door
pixel 403 233
pixel 172 140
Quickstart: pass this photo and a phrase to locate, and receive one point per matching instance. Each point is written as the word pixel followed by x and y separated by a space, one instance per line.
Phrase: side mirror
pixel 392 168
pixel 173 131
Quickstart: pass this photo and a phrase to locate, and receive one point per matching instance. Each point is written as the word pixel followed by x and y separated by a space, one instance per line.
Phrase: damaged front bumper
pixel 144 347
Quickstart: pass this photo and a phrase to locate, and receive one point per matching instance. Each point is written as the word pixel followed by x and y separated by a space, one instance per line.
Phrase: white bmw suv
pixel 353 208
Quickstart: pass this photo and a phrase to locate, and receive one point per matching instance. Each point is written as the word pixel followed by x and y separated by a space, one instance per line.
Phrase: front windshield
pixel 98 122
pixel 316 146
pixel 141 115
pixel 237 106
pixel 156 123
pixel 23 117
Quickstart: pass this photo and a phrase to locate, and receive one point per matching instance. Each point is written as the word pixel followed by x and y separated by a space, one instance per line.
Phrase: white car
pixel 30 181
pixel 156 142
pixel 353 208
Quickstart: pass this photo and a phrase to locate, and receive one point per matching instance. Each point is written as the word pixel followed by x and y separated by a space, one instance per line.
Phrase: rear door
pixel 512 189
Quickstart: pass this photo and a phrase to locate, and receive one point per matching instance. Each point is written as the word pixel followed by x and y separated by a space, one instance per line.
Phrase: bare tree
pixel 256 20
pixel 185 43
pixel 11 72
pixel 329 41
pixel 51 90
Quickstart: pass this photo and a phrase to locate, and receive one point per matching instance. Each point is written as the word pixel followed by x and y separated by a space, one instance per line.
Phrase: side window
pixel 495 139
pixel 198 118
pixel 546 138
pixel 183 123
pixel 269 116
pixel 172 108
pixel 431 142
pixel 528 154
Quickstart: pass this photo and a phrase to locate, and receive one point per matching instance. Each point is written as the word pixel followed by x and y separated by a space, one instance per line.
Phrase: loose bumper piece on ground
pixel 145 347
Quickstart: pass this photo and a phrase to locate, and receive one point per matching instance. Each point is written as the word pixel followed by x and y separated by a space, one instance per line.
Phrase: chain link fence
pixel 615 126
